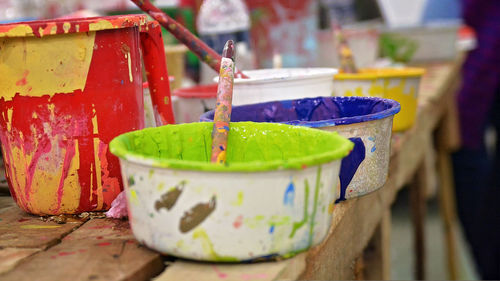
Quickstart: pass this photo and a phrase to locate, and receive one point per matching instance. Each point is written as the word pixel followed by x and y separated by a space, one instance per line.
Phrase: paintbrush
pixel 222 115
pixel 197 46
pixel 347 64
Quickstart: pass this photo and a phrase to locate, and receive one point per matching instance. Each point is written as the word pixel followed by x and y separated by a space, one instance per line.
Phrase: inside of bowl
pixel 248 143
pixel 308 109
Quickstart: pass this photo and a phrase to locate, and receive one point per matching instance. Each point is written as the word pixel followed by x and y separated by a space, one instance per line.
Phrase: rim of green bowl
pixel 339 148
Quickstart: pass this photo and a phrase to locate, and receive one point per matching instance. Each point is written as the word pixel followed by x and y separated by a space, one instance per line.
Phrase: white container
pixel 283 84
pixel 363 39
pixel 190 103
pixel 435 42
pixel 275 201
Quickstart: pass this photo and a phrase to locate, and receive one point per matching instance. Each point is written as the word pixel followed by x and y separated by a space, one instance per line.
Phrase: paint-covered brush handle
pixel 347 64
pixel 222 115
pixel 197 46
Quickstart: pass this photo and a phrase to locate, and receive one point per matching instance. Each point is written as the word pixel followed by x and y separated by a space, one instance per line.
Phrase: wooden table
pixel 357 245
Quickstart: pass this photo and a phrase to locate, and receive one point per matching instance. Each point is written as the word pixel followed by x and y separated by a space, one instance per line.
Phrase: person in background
pixel 476 167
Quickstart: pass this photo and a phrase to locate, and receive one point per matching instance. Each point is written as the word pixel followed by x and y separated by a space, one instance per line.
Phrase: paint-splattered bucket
pixel 190 103
pixel 283 84
pixel 399 84
pixel 367 122
pixel 274 196
pixel 68 87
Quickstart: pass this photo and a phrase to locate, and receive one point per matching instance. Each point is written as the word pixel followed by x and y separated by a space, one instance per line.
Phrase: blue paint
pixel 374 147
pixel 122 82
pixel 317 113
pixel 314 112
pixel 271 229
pixel 350 165
pixel 289 196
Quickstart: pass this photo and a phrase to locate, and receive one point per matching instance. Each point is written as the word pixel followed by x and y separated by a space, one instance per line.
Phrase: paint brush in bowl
pixel 347 64
pixel 195 44
pixel 222 116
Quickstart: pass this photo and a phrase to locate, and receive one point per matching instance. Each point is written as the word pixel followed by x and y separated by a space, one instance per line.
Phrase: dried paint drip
pixel 222 115
pixel 169 199
pixel 196 215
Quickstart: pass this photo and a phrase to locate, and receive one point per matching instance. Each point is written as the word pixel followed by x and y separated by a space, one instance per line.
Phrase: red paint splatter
pixel 62 254
pixel 238 222
pixel 130 242
pixel 98 237
pixel 102 244
pixel 101 227
pixel 220 274
pixel 68 156
pixel 23 81
pixel 304 166
pixel 23 220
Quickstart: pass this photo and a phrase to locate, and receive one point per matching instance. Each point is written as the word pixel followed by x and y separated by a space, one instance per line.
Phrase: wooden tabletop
pixel 85 248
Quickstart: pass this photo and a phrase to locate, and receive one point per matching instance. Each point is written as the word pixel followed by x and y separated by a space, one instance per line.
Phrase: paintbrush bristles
pixel 228 51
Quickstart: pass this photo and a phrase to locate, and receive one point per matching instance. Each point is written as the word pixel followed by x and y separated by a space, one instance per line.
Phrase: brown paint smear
pixel 169 199
pixel 196 215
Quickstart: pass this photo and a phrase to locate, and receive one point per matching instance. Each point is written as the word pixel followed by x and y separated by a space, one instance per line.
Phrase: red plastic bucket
pixel 68 87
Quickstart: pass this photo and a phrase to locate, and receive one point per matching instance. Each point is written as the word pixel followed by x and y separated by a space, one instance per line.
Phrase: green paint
pixel 315 206
pixel 298 225
pixel 251 147
pixel 260 221
pixel 160 186
pixel 208 247
pixel 239 199
pixel 131 181
pixel 151 172
pixel 305 218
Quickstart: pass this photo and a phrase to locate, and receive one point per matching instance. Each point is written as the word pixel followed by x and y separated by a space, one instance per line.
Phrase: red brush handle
pixel 153 53
pixel 202 50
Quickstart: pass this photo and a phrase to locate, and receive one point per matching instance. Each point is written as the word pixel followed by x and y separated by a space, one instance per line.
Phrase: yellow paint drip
pixel 208 246
pixel 48 173
pixel 72 189
pixel 18 30
pixel 97 166
pixel 44 66
pixel 100 25
pixel 239 199
pixel 37 226
pixel 133 197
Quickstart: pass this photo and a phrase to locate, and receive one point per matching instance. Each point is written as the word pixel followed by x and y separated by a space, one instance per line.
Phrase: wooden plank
pixel 377 255
pixel 6 202
pixel 448 213
pixel 198 271
pixel 101 249
pixel 10 257
pixel 19 229
pixel 418 210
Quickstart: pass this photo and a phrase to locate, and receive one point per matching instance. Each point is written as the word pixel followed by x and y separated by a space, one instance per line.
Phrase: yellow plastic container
pixel 399 84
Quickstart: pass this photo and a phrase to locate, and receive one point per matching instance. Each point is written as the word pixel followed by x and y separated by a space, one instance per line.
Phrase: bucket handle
pixel 153 53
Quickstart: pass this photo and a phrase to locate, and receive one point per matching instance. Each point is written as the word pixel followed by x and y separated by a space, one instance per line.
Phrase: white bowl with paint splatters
pixel 282 84
pixel 273 198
